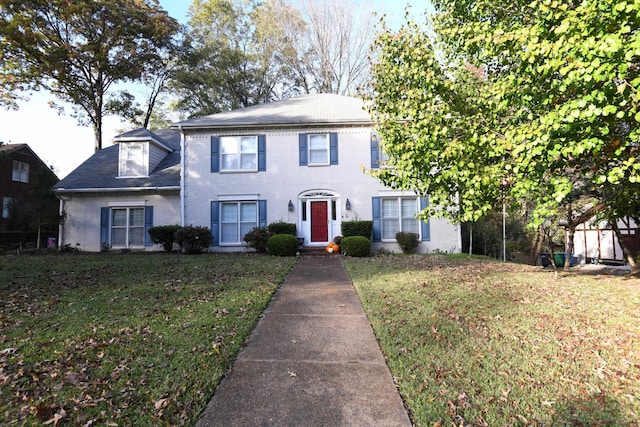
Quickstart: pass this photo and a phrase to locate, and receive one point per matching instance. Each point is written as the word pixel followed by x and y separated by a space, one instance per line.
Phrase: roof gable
pixel 12 149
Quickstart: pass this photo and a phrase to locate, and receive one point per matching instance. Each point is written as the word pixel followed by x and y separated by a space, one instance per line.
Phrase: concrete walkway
pixel 312 360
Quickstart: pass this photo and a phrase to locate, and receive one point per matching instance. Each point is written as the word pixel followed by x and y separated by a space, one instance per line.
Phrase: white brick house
pixel 299 160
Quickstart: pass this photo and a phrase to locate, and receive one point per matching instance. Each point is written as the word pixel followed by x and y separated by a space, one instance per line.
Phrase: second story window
pixel 133 159
pixel 20 171
pixel 379 156
pixel 319 149
pixel 238 153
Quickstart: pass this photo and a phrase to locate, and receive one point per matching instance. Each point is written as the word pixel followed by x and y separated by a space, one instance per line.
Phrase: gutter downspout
pixel 182 175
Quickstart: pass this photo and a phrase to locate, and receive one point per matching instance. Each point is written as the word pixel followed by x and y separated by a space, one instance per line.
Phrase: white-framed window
pixel 319 149
pixel 134 159
pixel 399 214
pixel 127 227
pixel 239 153
pixel 6 207
pixel 236 220
pixel 20 171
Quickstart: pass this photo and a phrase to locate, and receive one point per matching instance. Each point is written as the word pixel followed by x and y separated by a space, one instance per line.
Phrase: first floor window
pixel 127 227
pixel 20 171
pixel 399 214
pixel 6 207
pixel 236 220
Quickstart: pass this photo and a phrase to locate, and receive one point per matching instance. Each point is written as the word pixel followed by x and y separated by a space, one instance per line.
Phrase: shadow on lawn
pixel 595 410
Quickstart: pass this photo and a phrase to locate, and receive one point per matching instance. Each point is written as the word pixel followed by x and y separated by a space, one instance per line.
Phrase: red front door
pixel 319 223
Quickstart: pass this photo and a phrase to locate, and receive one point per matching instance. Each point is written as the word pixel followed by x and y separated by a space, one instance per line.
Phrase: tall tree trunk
pixel 97 133
pixel 535 248
pixel 627 254
pixel 569 245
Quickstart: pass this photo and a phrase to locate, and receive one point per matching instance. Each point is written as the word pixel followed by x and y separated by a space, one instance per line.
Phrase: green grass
pixel 125 339
pixel 482 343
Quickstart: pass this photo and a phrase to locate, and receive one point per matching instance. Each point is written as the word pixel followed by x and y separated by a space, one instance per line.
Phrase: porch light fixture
pixel 290 206
pixel 347 205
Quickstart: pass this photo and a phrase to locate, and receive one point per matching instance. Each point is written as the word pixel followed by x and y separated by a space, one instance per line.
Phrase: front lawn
pixel 131 339
pixel 482 343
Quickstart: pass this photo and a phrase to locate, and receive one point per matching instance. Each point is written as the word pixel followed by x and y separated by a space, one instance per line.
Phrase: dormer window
pixel 134 159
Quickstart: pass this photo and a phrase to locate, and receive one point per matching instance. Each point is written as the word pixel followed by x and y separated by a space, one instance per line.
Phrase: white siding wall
pixel 156 154
pixel 285 180
pixel 82 224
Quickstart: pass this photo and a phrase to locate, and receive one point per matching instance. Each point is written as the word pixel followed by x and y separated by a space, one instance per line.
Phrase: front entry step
pixel 314 251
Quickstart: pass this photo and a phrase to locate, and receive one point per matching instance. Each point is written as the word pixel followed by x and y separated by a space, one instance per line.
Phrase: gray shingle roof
pixel 315 109
pixel 100 171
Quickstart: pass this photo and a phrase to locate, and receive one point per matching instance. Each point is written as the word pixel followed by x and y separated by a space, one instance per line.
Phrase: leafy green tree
pixel 79 50
pixel 218 68
pixel 239 53
pixel 559 103
pixel 434 128
pixel 571 71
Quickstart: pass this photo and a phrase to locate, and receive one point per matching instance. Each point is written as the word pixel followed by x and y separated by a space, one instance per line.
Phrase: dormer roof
pixel 143 135
pixel 100 171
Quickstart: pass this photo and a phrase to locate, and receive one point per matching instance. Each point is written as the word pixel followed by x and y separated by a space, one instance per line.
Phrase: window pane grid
pixel 318 149
pixel 399 214
pixel 237 219
pixel 133 160
pixel 127 227
pixel 20 172
pixel 239 153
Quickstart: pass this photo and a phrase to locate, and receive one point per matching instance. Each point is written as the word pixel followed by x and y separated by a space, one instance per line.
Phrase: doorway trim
pixel 332 200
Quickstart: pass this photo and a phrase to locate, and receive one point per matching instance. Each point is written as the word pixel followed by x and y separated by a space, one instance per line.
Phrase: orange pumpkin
pixel 332 247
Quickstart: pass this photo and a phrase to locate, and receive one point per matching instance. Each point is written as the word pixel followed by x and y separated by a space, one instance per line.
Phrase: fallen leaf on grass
pixel 161 403
pixel 57 417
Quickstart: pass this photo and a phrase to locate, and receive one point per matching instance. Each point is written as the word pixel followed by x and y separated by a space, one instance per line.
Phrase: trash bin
pixel 545 260
pixel 558 258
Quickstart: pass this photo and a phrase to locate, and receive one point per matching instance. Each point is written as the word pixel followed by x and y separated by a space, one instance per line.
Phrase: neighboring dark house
pixel 29 205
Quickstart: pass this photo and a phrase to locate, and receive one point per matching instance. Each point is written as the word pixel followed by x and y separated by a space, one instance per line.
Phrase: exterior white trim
pixel 116 190
pixel 237 197
pixel 128 203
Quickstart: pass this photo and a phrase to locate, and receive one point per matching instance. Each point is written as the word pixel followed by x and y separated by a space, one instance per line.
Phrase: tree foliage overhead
pixel 551 106
pixel 332 53
pixel 216 72
pixel 78 50
pixel 239 53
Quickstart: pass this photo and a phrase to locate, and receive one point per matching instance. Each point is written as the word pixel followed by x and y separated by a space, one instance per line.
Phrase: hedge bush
pixel 356 246
pixel 282 228
pixel 408 241
pixel 192 239
pixel 282 245
pixel 164 235
pixel 357 228
pixel 257 239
